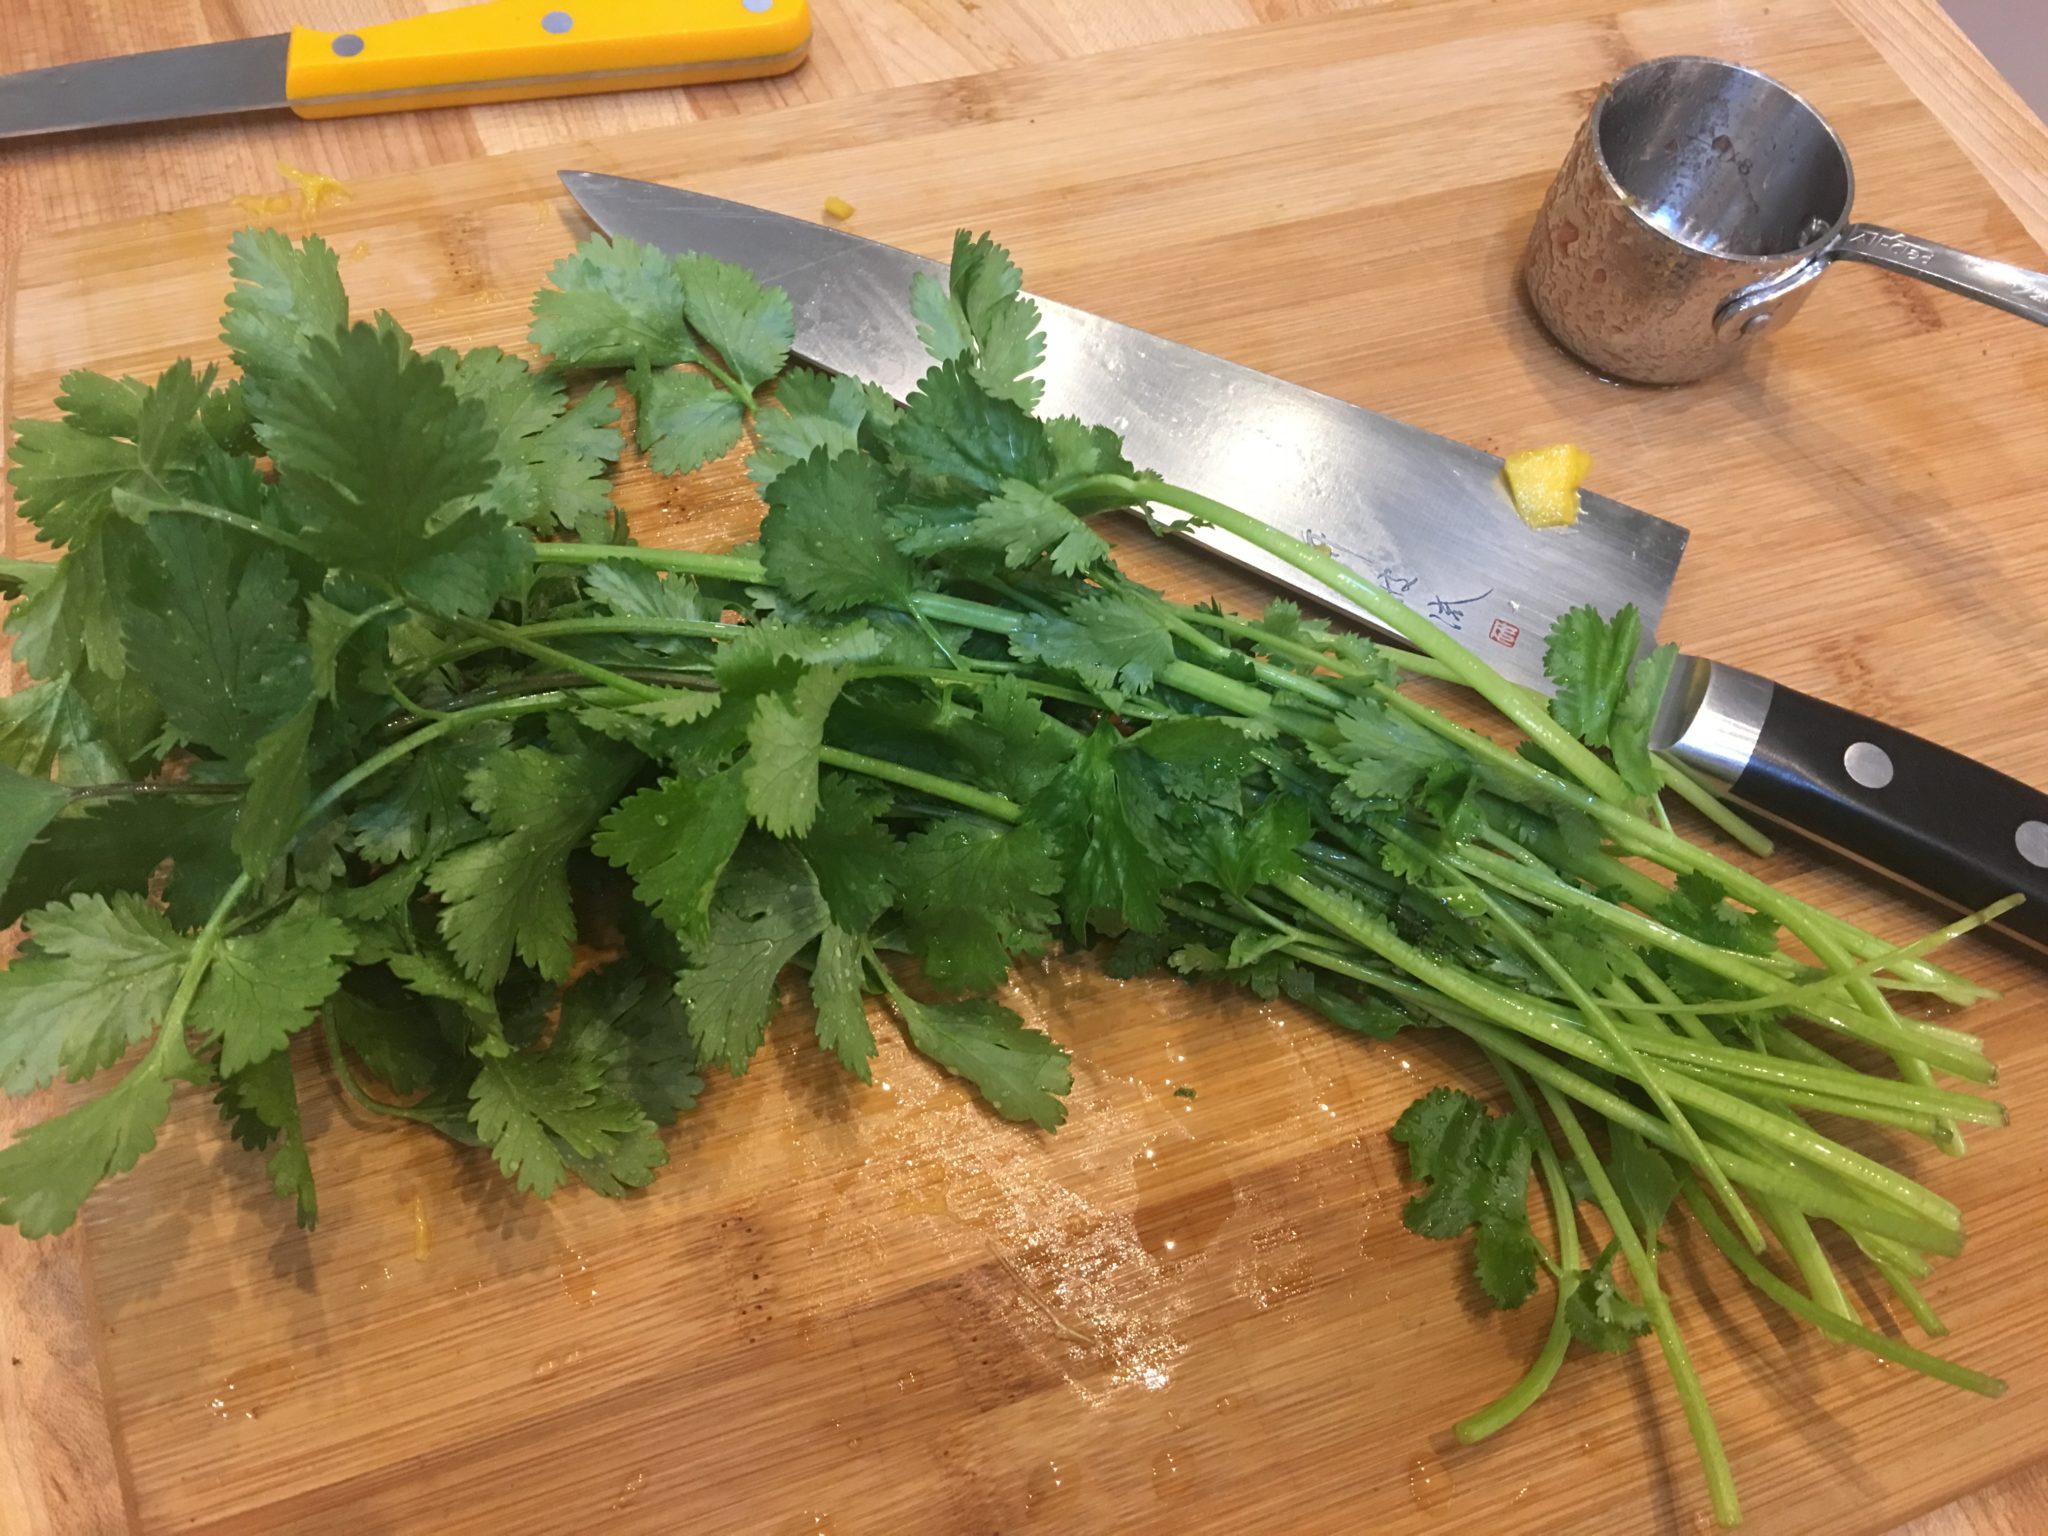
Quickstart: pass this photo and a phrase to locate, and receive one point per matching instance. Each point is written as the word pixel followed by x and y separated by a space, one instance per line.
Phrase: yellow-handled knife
pixel 507 50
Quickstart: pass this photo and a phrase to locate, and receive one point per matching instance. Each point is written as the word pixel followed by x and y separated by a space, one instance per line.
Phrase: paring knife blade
pixel 1427 518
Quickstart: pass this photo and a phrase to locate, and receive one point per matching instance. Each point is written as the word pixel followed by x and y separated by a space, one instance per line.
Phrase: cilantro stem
pixel 1695 793
pixel 512 638
pixel 1796 1233
pixel 241 524
pixel 1844 1330
pixel 1309 655
pixel 999 807
pixel 1535 1381
pixel 355 1089
pixel 1521 706
pixel 85 793
pixel 1692 1397
pixel 691 629
pixel 689 562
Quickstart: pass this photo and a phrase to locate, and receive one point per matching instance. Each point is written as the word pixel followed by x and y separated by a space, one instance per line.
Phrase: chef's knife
pixel 506 50
pixel 1427 518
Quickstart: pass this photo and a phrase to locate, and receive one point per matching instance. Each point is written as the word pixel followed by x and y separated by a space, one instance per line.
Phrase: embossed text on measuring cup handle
pixel 2016 290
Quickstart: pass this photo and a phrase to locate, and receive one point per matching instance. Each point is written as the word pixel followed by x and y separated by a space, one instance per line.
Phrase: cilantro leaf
pixel 402 1049
pixel 1600 1315
pixel 811 411
pixel 27 807
pixel 973 896
pixel 553 458
pixel 615 304
pixel 843 1027
pixel 49 725
pixel 264 987
pixel 1022 1073
pixel 784 740
pixel 214 633
pixel 423 809
pixel 1477 1167
pixel 851 852
pixel 1108 641
pixel 542 1112
pixel 1383 756
pixel 675 840
pixel 279 790
pixel 751 327
pixel 1698 908
pixel 1028 747
pixel 1026 524
pixel 510 891
pixel 628 1021
pixel 1589 659
pixel 1629 736
pixel 284 297
pixel 1100 817
pixel 49 1169
pixel 1643 1177
pixel 382 462
pixel 261 1106
pixel 825 538
pixel 94 980
pixel 767 909
pixel 954 430
pixel 980 316
pixel 635 591
pixel 686 419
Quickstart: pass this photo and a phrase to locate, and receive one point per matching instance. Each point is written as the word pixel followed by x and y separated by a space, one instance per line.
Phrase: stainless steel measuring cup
pixel 1697 206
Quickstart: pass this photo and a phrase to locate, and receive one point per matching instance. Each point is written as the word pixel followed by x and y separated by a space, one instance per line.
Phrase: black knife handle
pixel 1929 815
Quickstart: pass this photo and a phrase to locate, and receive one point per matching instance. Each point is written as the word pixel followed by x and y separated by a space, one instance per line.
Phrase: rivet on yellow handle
pixel 1544 483
pixel 518 50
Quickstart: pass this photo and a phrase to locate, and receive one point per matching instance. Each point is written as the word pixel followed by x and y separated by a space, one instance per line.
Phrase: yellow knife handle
pixel 516 50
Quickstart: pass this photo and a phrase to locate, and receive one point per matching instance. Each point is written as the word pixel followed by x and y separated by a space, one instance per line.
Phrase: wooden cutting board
pixel 882 1310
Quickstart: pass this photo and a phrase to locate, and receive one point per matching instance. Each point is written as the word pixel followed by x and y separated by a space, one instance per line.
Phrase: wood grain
pixel 882 1311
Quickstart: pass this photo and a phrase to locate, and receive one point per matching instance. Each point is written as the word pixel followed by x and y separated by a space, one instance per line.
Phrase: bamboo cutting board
pixel 881 1310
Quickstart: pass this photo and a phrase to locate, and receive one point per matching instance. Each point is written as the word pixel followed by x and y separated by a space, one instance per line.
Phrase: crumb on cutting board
pixel 838 208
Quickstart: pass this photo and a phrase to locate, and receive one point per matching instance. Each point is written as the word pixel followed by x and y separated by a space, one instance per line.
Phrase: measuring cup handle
pixel 2000 284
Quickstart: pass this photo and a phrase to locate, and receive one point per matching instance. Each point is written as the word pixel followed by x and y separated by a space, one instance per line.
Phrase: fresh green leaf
pixel 675 840
pixel 767 909
pixel 1026 525
pixel 1108 641
pixel 1022 1073
pixel 615 303
pixel 843 1027
pixel 1477 1167
pixel 1100 817
pixel 825 538
pixel 1629 736
pixel 783 746
pixel 1600 1315
pixel 49 1169
pixel 686 419
pixel 629 1022
pixel 279 790
pixel 285 297
pixel 542 1112
pixel 94 979
pixel 261 1106
pixel 1589 659
pixel 553 458
pixel 1643 1177
pixel 851 852
pixel 264 987
pixel 27 807
pixel 510 891
pixel 952 429
pixel 980 317
pixel 973 896
pixel 751 327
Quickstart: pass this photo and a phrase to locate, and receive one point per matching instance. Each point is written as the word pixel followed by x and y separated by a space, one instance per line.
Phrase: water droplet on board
pixel 1185 1195
pixel 633 1485
pixel 1044 1488
pixel 1168 1478
pixel 578 1284
pixel 1429 1483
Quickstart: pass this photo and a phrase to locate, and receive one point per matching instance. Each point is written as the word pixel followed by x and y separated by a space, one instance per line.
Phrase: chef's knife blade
pixel 245 75
pixel 1427 518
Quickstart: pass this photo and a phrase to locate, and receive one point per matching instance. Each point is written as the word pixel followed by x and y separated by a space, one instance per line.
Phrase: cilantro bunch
pixel 358 714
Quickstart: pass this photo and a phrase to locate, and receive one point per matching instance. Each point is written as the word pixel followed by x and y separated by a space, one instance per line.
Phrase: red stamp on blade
pixel 1504 633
